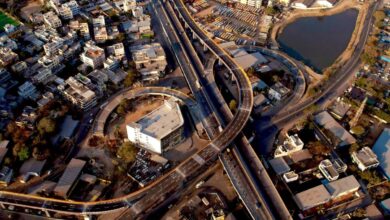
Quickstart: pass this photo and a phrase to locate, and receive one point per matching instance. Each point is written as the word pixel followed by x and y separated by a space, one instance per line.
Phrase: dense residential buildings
pixel 159 130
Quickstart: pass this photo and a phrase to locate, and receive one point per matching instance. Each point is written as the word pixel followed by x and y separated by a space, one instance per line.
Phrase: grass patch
pixel 4 19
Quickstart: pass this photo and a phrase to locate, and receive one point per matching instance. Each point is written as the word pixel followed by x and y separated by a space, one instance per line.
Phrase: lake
pixel 318 41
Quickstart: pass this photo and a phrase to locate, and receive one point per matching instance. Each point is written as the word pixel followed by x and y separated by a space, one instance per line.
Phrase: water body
pixel 318 41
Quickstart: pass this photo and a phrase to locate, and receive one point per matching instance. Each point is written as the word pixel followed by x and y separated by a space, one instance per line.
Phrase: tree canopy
pixel 46 126
pixel 127 152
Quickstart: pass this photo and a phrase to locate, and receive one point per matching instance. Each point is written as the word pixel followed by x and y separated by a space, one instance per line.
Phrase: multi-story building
pixel 43 76
pixel 4 75
pixel 159 130
pixel 27 90
pixel 149 59
pixel 53 46
pixel 93 55
pixel 7 56
pixel 138 11
pixel 291 145
pixel 327 195
pixel 112 63
pixel 99 29
pixel 99 21
pixel 52 20
pixel 117 50
pixel 78 94
pixel 365 158
pixel 125 5
pixel 84 31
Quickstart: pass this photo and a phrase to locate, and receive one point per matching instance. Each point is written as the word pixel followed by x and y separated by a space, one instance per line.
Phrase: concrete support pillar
pixel 47 213
pixel 220 62
pixel 204 47
pixel 194 36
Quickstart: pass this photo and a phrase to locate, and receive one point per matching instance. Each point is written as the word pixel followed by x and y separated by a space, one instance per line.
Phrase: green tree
pixel 358 130
pixel 46 126
pixel 354 147
pixel 129 80
pixel 127 152
pixel 24 153
pixel 233 105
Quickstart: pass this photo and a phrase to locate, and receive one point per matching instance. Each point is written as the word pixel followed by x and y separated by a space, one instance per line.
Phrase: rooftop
pixel 366 156
pixel 67 179
pixel 382 149
pixel 342 186
pixel 250 60
pixel 325 120
pixel 312 197
pixel 161 121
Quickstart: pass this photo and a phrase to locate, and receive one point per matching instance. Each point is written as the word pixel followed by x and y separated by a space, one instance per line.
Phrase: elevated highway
pixel 164 186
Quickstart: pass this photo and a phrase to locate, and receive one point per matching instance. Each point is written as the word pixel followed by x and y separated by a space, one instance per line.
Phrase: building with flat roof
pixel 69 178
pixel 77 93
pixel 149 59
pixel 117 50
pixel 339 109
pixel 7 56
pixel 159 130
pixel 93 56
pixel 325 120
pixel 327 169
pixel 249 60
pixel 328 194
pixel 365 158
pixel 52 20
pixel 382 150
pixel 291 145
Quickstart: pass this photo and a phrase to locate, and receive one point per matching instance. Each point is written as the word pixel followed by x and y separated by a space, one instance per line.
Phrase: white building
pixel 111 63
pixel 324 3
pixel 302 4
pixel 327 169
pixel 159 130
pixel 93 56
pixel 117 50
pixel 99 29
pixel 138 11
pixel 365 158
pixel 291 145
pixel 77 93
pixel 84 31
pixel 125 5
pixel 53 46
pixel 253 3
pixel 52 20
